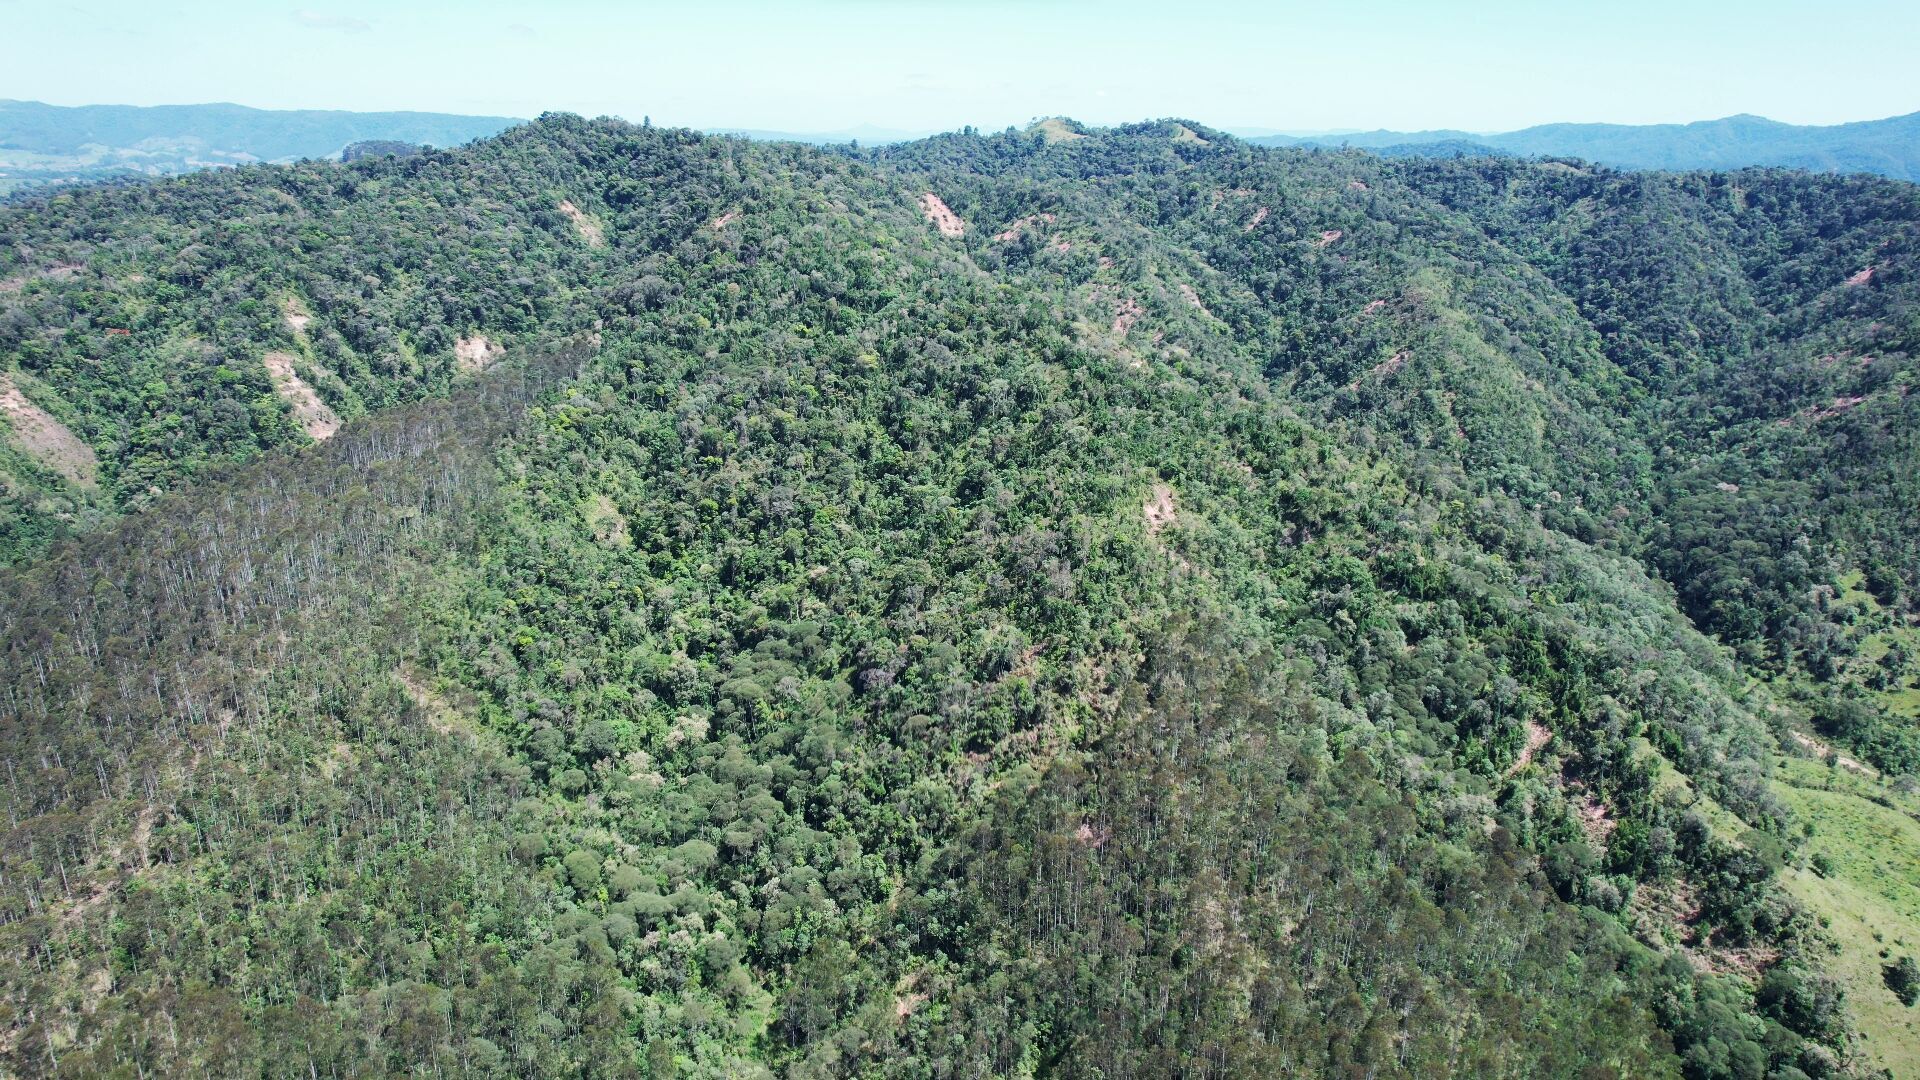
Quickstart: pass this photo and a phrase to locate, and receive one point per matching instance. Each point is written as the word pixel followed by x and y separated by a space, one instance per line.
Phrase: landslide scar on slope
pixel 475 353
pixel 1192 297
pixel 45 439
pixel 58 272
pixel 941 215
pixel 296 314
pixel 1160 509
pixel 589 229
pixel 312 414
pixel 1013 231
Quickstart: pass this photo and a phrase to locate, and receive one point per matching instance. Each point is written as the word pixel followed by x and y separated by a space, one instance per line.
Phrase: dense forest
pixel 1066 602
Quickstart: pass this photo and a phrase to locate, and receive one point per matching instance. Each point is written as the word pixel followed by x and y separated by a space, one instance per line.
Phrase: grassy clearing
pixel 1870 901
pixel 1905 702
pixel 1056 130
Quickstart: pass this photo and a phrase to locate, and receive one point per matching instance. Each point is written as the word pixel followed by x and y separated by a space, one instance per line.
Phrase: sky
pixel 927 65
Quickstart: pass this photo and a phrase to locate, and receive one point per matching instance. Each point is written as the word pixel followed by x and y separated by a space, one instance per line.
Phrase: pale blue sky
pixel 933 64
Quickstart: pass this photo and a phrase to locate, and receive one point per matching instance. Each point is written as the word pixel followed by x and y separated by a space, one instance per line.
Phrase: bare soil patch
pixel 1160 509
pixel 1596 819
pixel 1537 737
pixel 1012 232
pixel 1822 750
pixel 311 413
pixel 296 314
pixel 909 994
pixel 45 439
pixel 1840 405
pixel 1393 363
pixel 724 220
pixel 440 714
pixel 1668 912
pixel 1092 836
pixel 1660 907
pixel 1862 277
pixel 56 272
pixel 1259 216
pixel 1187 293
pixel 1383 369
pixel 942 216
pixel 589 229
pixel 475 353
pixel 1329 237
pixel 142 839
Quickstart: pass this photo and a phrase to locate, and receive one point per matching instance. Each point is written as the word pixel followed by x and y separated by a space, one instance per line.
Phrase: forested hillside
pixel 610 601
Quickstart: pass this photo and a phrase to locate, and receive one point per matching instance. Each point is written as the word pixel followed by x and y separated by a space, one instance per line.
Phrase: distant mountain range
pixel 1888 147
pixel 865 134
pixel 42 143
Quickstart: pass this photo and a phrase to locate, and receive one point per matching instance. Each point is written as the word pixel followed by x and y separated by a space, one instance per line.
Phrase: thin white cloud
pixel 522 31
pixel 320 20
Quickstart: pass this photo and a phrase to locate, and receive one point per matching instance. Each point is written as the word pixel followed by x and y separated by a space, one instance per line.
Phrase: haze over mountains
pixel 42 143
pixel 1889 147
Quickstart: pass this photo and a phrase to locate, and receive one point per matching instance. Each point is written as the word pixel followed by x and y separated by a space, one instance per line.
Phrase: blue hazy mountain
pixel 42 143
pixel 865 134
pixel 1889 147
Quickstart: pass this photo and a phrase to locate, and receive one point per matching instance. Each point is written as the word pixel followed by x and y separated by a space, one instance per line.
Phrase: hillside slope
pixel 1088 602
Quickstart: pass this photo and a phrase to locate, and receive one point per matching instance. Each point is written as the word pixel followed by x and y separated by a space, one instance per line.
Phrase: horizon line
pixel 855 129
